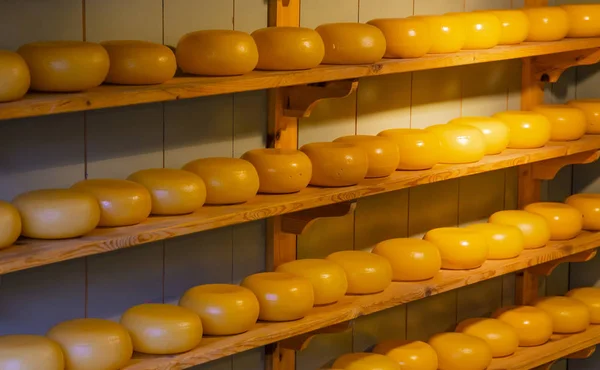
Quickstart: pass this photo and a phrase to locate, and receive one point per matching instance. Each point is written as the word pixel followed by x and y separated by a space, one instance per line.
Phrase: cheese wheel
pixel 217 53
pixel 57 213
pixel 404 37
pixel 591 298
pixel 409 354
pixel 327 278
pixel 567 123
pixel 504 241
pixel 591 109
pixel 224 309
pixel 461 351
pixel 227 180
pixel 411 259
pixel 549 23
pixel 280 171
pixel 14 75
pixel 564 220
pixel 535 228
pixel 174 192
pixel 10 224
pixel 30 352
pixel 336 164
pixel 448 33
pixel 533 325
pixel 515 26
pixel 460 248
pixel 382 153
pixel 589 206
pixel 528 130
pixel 122 202
pixel 65 66
pixel 500 336
pixel 568 315
pixel 367 273
pixel 495 132
pixel 351 43
pixel 419 149
pixel 365 361
pixel 459 143
pixel 584 20
pixel 288 48
pixel 92 344
pixel 482 29
pixel 281 296
pixel 162 329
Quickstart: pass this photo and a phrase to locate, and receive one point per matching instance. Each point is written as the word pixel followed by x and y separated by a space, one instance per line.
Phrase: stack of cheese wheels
pixel 461 351
pixel 30 352
pixel 591 109
pixel 459 143
pixel 288 48
pixel 404 37
pixel 351 43
pixel 411 259
pixel 535 229
pixel 500 336
pixel 14 75
pixel 382 153
pixel 224 309
pixel 460 248
pixel 495 132
pixel 533 325
pixel 589 206
pixel 590 296
pixel 547 23
pixel 584 20
pixel 281 296
pixel 483 30
pixel 367 273
pixel 447 33
pixel 280 171
pixel 365 361
pixel 528 130
pixel 327 278
pixel 567 123
pixel 568 315
pixel 10 224
pixel 409 354
pixel 515 26
pixel 92 344
pixel 504 241
pixel 419 149
pixel 565 221
pixel 336 164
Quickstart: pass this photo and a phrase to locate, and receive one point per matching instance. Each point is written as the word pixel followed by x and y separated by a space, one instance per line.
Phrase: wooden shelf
pixel 107 96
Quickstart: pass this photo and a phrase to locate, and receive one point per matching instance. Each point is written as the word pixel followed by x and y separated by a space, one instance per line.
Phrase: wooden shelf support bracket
pixel 545 269
pixel 297 222
pixel 299 101
pixel 584 353
pixel 301 342
pixel 548 68
pixel 547 170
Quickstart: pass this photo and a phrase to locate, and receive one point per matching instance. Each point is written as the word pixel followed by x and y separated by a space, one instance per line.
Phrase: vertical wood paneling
pixel 374 328
pixel 183 16
pixel 379 218
pixel 476 205
pixel 316 12
pixel 471 5
pixel 323 350
pixel 250 15
pixel 588 78
pixel 329 120
pixel 441 196
pixel 484 88
pixel 123 20
pixel 373 9
pixel 431 315
pixel 424 7
pixel 479 299
pixel 325 236
pixel 436 96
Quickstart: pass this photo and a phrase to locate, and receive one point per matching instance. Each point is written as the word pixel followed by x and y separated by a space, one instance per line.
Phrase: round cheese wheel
pixel 217 53
pixel 327 278
pixel 92 344
pixel 65 66
pixel 281 296
pixel 227 180
pixel 411 259
pixel 460 248
pixel 10 224
pixel 549 23
pixel 288 48
pixel 448 33
pixel 461 351
pixel 589 206
pixel 404 37
pixel 351 43
pixel 584 20
pixel 30 352
pixel 365 361
pixel 591 109
pixel 564 220
pixel 459 143
pixel 495 132
pixel 533 325
pixel 122 202
pixel 419 149
pixel 382 153
pixel 224 309
pixel 367 273
pixel 57 213
pixel 409 354
pixel 528 130
pixel 162 329
pixel 500 336
pixel 280 171
pixel 591 298
pixel 535 228
pixel 14 75
pixel 482 29
pixel 515 26
pixel 568 315
pixel 567 123
pixel 174 192
pixel 336 164
pixel 504 241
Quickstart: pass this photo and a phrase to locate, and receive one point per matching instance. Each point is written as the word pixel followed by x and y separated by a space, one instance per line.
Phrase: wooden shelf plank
pixel 107 96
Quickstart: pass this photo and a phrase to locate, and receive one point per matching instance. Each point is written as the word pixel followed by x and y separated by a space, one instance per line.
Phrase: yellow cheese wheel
pixel 224 309
pixel 459 143
pixel 411 259
pixel 227 180
pixel 533 325
pixel 568 315
pixel 515 26
pixel 162 329
pixel 567 123
pixel 65 66
pixel 351 43
pixel 535 228
pixel 57 213
pixel 447 32
pixel 564 220
pixel 327 278
pixel 500 336
pixel 122 202
pixel 591 298
pixel 336 164
pixel 30 352
pixel 482 29
pixel 589 206
pixel 461 351
pixel 10 224
pixel 549 23
pixel 409 354
pixel 281 296
pixel 288 48
pixel 92 344
pixel 365 361
pixel 528 130
pixel 419 149
pixel 504 241
pixel 382 153
pixel 174 192
pixel 591 109
pixel 404 37
pixel 367 273
pixel 460 248
pixel 14 75
pixel 495 132
pixel 217 53
pixel 584 20
pixel 280 171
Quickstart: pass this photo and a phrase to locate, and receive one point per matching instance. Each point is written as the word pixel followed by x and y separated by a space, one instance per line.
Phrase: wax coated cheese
pixel 404 37
pixel 327 278
pixel 589 206
pixel 533 325
pixel 535 228
pixel 460 248
pixel 459 143
pixel 591 109
pixel 549 23
pixel 227 180
pixel 336 164
pixel 584 20
pixel 174 192
pixel 382 153
pixel 500 336
pixel 591 298
pixel 288 48
pixel 92 344
pixel 14 75
pixel 565 221
pixel 10 224
pixel 351 43
pixel 448 33
pixel 482 29
pixel 281 296
pixel 419 149
pixel 409 354
pixel 504 241
pixel 30 352
pixel 528 130
pixel 568 315
pixel 567 123
pixel 367 273
pixel 365 361
pixel 515 26
pixel 411 259
pixel 65 66
pixel 461 351
pixel 280 171
pixel 495 132
pixel 122 202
